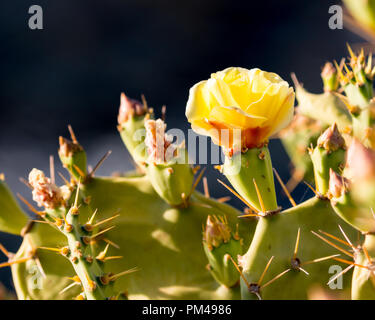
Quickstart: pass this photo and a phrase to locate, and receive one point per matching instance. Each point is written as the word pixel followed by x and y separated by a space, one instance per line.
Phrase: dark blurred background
pixel 72 71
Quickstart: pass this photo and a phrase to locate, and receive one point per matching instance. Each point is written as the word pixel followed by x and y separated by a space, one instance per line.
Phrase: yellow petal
pixel 235 118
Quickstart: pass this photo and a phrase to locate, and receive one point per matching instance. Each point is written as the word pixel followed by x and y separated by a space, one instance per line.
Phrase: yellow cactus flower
pixel 256 103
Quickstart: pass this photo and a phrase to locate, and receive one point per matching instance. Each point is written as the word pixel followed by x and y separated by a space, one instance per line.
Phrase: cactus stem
pixel 286 191
pixel 52 168
pixel 26 183
pixel 335 238
pixel 63 178
pixel 68 287
pixel 72 135
pixel 100 162
pixel 205 187
pixel 5 251
pixel 120 274
pixel 333 245
pixel 238 196
pixel 260 199
pixel 297 244
pixel 30 206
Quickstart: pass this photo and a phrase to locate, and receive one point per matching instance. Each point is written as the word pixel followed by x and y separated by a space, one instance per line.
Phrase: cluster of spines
pixel 96 284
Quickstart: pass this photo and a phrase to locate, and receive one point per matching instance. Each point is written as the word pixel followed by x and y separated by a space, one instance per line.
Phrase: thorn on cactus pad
pixel 5 251
pixel 333 245
pixel 336 238
pixel 120 274
pixel 259 196
pixel 352 263
pixel 26 183
pixel 30 206
pixel 67 183
pixel 223 199
pixel 72 134
pixel 312 189
pixel 111 243
pixel 238 196
pixel 52 168
pixel 286 191
pixel 340 274
pixel 195 184
pixel 106 220
pixel 11 262
pixel 100 162
pixel 87 239
pixel 69 287
pixel 80 172
pixel 205 187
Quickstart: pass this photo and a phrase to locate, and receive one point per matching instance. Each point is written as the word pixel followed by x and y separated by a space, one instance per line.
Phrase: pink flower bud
pixel 129 108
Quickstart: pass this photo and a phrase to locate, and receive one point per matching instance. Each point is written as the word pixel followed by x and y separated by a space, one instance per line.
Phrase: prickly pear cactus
pixel 140 236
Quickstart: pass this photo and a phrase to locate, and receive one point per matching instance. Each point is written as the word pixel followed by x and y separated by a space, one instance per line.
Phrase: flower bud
pixel 337 184
pixel 328 154
pixel 217 232
pixel 73 157
pixel 166 165
pixel 219 245
pixel 360 162
pixel 329 77
pixel 129 108
pixel 331 139
pixel 131 118
pixel 45 193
